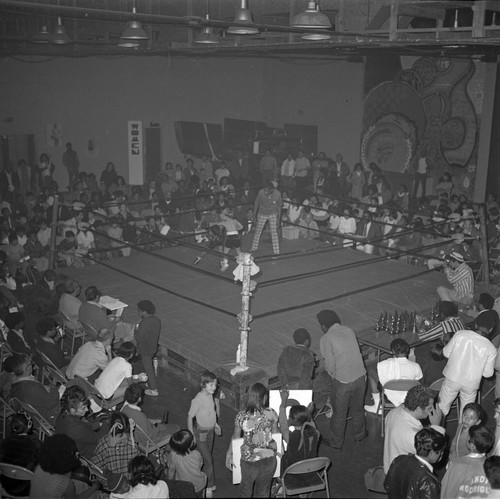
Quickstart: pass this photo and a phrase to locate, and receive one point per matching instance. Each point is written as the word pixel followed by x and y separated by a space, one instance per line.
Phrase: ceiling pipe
pixel 35 8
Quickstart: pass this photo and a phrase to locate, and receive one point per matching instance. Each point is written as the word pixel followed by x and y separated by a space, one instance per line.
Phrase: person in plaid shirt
pixel 117 448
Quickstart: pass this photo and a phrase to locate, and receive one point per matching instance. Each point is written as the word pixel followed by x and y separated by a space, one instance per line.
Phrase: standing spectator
pixel 268 167
pixel 358 181
pixel 206 409
pixel 301 172
pixel 411 475
pixel 404 422
pixel 239 169
pixel 421 173
pixel 460 275
pixel 465 476
pixel 320 163
pixel 258 451
pixel 344 363
pixel 287 173
pixel 339 174
pixel 109 175
pixel 470 357
pixel 296 362
pixel 267 208
pixel 147 335
pixel 92 356
pixel 52 477
pixel 72 163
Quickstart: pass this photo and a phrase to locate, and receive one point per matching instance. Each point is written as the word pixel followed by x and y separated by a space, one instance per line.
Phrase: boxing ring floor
pixel 198 304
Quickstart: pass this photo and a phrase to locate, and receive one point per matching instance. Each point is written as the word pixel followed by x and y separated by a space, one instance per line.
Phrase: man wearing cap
pixel 267 208
pixel 344 363
pixel 460 275
pixel 296 362
pixel 470 357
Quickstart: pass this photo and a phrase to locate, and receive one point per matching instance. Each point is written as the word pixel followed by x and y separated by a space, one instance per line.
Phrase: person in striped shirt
pixel 460 275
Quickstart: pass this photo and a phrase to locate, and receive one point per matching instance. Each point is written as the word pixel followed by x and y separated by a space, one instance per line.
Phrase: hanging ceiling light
pixel 42 36
pixel 129 44
pixel 244 16
pixel 59 35
pixel 207 34
pixel 134 29
pixel 311 18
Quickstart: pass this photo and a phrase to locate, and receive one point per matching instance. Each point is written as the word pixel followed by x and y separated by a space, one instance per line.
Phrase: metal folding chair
pixel 98 397
pixel 306 477
pixel 14 472
pixel 50 371
pixel 436 386
pixel 75 331
pixel 7 412
pixel 43 426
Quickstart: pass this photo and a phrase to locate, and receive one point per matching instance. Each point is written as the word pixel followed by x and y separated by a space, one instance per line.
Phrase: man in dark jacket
pixel 147 335
pixel 411 475
pixel 296 362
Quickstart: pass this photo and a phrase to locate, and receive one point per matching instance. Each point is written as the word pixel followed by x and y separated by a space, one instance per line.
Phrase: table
pixel 114 305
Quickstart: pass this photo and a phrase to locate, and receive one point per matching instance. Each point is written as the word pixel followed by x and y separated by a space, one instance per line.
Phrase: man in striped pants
pixel 267 208
pixel 460 275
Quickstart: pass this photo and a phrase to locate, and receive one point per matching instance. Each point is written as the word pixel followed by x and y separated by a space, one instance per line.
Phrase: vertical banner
pixel 135 153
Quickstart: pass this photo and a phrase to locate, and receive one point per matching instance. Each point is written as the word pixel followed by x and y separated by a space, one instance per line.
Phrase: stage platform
pixel 198 304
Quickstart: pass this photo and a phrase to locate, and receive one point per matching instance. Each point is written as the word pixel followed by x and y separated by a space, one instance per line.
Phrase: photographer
pixel 460 275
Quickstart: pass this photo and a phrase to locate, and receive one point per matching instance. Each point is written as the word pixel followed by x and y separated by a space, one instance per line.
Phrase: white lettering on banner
pixel 135 153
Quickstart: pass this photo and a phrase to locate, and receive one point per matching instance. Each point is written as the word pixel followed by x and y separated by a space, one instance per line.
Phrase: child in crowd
pixel 205 407
pixel 473 414
pixel 185 462
pixel 233 238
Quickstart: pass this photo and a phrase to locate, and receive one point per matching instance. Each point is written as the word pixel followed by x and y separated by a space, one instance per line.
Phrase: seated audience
pixel 92 356
pixel 72 421
pixel 21 448
pixel 143 481
pixel 52 477
pixel 394 368
pixel 185 462
pixel 465 476
pixel 117 375
pixel 155 429
pixel 412 475
pixel 27 389
pixel 49 340
pixel 308 228
pixel 460 275
pixel 16 338
pixel 115 449
pixel 69 303
pixel 404 422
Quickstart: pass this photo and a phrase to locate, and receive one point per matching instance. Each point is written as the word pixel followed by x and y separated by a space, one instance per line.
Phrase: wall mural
pixel 426 106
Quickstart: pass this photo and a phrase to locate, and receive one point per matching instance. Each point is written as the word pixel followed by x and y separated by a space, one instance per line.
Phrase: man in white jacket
pixel 471 356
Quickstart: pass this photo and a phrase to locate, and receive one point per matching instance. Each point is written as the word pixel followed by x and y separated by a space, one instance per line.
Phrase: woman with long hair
pixel 257 423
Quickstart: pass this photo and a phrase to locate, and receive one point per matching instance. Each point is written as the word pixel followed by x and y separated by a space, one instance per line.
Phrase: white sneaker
pixel 374 409
pixel 209 493
pixel 224 267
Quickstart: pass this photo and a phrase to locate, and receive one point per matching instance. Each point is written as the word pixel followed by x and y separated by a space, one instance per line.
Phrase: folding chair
pixel 151 446
pixel 436 386
pixel 400 385
pixel 306 477
pixel 7 412
pixel 89 331
pixel 94 470
pixel 44 427
pixel 50 371
pixel 98 397
pixel 15 473
pixel 73 330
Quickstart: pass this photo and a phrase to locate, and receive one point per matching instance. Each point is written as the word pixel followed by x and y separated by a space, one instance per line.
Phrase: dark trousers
pixel 147 362
pixel 256 477
pixel 205 444
pixel 348 398
pixel 420 178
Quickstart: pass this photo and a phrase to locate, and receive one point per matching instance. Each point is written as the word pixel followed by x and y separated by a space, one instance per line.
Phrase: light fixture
pixel 207 35
pixel 134 29
pixel 311 18
pixel 243 16
pixel 42 36
pixel 316 36
pixel 59 35
pixel 129 44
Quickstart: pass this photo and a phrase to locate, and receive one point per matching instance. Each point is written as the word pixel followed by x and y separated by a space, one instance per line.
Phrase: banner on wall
pixel 135 153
